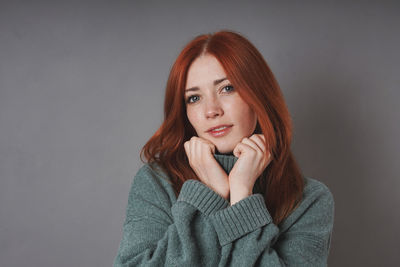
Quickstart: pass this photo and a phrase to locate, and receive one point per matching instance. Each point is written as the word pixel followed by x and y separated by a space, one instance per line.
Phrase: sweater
pixel 201 228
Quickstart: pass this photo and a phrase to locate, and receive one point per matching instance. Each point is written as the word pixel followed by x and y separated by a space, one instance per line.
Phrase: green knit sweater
pixel 200 228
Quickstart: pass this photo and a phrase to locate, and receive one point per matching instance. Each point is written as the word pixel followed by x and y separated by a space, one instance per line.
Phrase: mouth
pixel 220 130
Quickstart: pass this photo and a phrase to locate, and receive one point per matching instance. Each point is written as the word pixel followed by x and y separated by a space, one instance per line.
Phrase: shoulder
pixel 317 195
pixel 315 189
pixel 151 182
pixel 151 173
pixel 149 191
pixel 313 185
pixel 315 207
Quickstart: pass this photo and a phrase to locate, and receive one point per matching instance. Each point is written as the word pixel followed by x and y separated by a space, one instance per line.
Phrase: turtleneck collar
pixel 226 161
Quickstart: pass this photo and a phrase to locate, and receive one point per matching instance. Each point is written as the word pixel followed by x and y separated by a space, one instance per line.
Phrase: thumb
pixel 237 151
pixel 212 148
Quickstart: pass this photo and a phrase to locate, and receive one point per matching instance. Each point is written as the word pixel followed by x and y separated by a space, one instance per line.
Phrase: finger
pixel 202 148
pixel 237 150
pixel 193 147
pixel 186 146
pixel 241 148
pixel 259 141
pixel 265 141
pixel 266 147
pixel 251 144
pixel 188 150
pixel 197 148
pixel 210 146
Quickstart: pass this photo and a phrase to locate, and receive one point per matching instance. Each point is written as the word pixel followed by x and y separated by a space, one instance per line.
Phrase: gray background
pixel 81 91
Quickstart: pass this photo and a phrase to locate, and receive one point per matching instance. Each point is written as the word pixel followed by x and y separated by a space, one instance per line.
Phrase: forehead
pixel 203 71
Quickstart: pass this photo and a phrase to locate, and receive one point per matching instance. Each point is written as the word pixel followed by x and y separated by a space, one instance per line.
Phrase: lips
pixel 219 127
pixel 220 131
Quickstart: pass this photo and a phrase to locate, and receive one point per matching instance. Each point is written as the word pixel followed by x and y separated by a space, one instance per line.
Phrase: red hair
pixel 281 183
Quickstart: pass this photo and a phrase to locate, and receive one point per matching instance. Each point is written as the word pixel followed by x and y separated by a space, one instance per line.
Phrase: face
pixel 211 101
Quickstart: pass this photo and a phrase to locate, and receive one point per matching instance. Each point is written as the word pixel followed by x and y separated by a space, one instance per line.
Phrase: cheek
pixel 247 118
pixel 193 118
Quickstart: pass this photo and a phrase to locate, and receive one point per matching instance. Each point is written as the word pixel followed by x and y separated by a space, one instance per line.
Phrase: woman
pixel 221 186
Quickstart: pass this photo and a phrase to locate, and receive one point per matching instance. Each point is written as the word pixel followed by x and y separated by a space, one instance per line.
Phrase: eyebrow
pixel 197 88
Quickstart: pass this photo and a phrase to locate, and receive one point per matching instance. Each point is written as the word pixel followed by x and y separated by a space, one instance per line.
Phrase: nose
pixel 213 109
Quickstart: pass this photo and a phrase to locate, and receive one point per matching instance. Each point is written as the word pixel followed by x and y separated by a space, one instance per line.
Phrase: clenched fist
pixel 252 161
pixel 200 154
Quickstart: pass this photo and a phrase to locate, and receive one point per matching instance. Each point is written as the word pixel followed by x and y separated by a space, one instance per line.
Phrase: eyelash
pixel 190 97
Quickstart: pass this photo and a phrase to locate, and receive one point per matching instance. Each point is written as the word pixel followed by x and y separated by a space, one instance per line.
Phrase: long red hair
pixel 281 183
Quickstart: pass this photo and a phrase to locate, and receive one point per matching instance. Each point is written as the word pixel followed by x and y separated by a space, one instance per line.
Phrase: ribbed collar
pixel 226 161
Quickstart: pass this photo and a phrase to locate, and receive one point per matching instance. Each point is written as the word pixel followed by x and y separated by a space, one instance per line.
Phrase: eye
pixel 192 99
pixel 228 88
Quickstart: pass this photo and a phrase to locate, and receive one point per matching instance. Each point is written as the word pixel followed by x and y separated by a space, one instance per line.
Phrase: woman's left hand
pixel 251 163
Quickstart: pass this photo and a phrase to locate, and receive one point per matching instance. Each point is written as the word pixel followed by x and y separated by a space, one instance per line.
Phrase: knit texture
pixel 200 228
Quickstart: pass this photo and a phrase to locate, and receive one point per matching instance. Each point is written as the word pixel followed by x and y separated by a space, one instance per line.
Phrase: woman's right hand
pixel 200 154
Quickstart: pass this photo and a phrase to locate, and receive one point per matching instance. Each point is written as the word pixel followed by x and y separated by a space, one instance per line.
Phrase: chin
pixel 224 150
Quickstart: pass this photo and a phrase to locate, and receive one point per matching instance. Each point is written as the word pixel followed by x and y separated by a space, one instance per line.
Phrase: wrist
pixel 238 194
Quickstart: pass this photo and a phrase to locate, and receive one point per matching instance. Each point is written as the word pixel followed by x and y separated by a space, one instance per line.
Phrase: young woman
pixel 221 186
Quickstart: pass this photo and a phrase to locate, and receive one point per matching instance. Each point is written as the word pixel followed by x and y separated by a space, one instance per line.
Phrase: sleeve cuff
pixel 202 197
pixel 243 217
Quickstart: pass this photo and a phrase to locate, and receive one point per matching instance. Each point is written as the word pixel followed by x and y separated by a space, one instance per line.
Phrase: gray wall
pixel 81 90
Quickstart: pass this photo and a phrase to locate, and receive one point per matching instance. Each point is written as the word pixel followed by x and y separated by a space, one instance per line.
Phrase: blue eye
pixel 191 99
pixel 228 88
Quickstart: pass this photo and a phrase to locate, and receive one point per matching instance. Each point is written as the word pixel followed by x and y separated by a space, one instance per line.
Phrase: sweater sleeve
pixel 249 237
pixel 158 234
